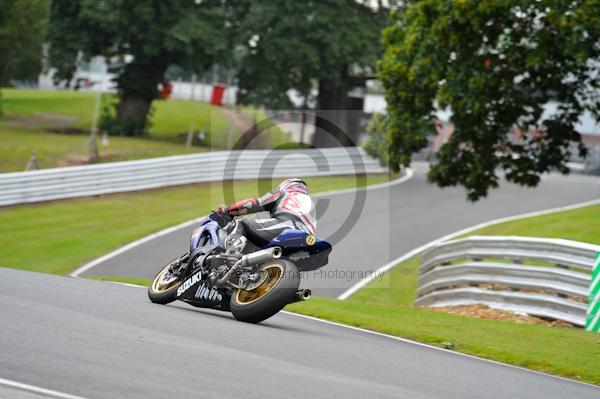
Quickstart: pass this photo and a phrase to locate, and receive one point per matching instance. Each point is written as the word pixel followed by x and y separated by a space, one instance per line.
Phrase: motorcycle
pixel 253 284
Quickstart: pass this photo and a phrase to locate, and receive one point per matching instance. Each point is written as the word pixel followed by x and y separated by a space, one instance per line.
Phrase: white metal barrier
pixel 473 270
pixel 115 177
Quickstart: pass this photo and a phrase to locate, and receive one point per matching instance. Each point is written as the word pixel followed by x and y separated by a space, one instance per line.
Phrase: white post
pixel 193 94
pixel 190 135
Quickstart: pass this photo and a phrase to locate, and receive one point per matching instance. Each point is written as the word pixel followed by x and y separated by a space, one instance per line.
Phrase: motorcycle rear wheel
pixel 161 293
pixel 276 291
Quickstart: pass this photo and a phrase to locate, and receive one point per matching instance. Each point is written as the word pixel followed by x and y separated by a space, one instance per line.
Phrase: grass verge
pixel 386 305
pixel 581 224
pixel 60 236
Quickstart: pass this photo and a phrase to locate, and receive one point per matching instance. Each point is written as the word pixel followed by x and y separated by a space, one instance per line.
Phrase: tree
pixel 22 29
pixel 301 44
pixel 378 145
pixel 494 65
pixel 191 34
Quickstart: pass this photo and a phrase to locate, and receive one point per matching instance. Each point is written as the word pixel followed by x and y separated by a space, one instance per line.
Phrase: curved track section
pixel 103 340
pixel 394 220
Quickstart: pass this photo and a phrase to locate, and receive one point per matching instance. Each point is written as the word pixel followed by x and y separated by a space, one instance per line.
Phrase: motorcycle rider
pixel 290 207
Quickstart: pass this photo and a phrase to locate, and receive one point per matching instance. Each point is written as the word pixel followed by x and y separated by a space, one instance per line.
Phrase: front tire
pixel 271 296
pixel 162 293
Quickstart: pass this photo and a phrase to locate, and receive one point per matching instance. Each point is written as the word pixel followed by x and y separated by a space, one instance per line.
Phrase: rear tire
pixel 251 307
pixel 162 294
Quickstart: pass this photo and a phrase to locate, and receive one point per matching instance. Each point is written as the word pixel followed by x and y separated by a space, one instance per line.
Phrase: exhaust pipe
pixel 264 255
pixel 254 258
pixel 301 295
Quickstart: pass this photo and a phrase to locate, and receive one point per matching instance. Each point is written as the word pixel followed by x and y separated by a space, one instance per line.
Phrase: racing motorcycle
pixel 253 284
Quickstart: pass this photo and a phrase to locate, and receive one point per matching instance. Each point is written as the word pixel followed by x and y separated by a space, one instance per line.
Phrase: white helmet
pixel 293 185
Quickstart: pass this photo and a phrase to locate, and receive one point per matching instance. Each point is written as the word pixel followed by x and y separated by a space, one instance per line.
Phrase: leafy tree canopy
pixel 304 44
pixel 494 65
pixel 22 28
pixel 191 34
pixel 378 145
pixel 292 44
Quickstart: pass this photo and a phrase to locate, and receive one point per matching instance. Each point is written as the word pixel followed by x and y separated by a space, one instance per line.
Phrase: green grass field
pixel 386 305
pixel 171 119
pixel 52 149
pixel 60 236
pixel 56 124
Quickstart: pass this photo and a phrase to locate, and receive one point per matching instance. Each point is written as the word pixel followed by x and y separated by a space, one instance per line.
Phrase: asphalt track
pixel 104 340
pixel 393 221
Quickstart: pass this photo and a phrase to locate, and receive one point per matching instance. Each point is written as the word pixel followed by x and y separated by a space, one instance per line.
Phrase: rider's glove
pixel 223 210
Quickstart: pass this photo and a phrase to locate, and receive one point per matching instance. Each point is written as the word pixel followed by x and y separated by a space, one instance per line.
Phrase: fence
pixel 490 270
pixel 78 181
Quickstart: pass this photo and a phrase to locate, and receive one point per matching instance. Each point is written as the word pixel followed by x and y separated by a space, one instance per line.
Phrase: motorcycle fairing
pixel 208 232
pixel 205 240
pixel 296 243
pixel 200 293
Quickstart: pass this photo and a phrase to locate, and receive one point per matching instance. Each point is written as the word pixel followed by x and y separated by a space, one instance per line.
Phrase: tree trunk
pixel 3 68
pixel 132 114
pixel 331 124
pixel 138 87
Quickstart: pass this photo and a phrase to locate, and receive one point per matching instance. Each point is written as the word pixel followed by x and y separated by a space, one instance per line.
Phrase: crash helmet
pixel 293 185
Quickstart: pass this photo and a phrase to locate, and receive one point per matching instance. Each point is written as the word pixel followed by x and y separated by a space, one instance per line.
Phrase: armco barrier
pixel 593 313
pixel 490 270
pixel 79 181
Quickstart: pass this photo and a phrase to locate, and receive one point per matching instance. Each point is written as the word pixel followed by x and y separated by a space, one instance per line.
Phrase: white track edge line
pixel 408 174
pixel 36 389
pixel 409 341
pixel 87 266
pixel 352 290
pixel 439 349
pixel 95 262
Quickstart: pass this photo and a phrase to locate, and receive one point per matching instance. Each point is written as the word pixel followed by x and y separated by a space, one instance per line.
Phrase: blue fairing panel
pixel 293 241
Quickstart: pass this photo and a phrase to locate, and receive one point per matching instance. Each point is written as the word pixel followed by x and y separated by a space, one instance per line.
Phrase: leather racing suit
pixel 290 207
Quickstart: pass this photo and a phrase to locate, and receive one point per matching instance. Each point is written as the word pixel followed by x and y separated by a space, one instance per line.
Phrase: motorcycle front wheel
pixel 277 290
pixel 161 290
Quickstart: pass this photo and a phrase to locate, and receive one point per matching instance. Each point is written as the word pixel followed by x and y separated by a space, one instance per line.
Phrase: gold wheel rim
pixel 274 275
pixel 156 284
